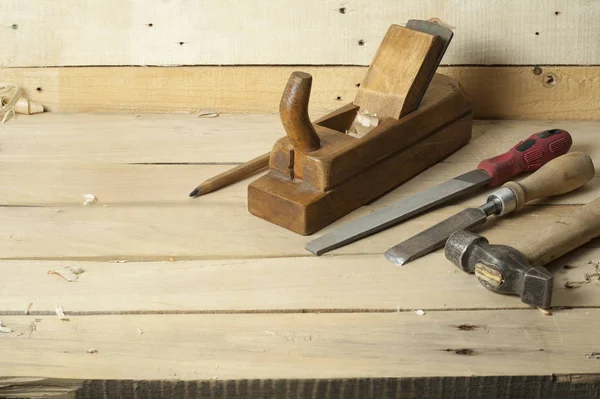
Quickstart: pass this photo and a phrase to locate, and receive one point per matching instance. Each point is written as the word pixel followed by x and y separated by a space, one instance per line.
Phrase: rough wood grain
pixel 34 387
pixel 71 155
pixel 314 32
pixel 209 230
pixel 182 139
pixel 64 183
pixel 184 347
pixel 274 285
pixel 496 92
pixel 573 386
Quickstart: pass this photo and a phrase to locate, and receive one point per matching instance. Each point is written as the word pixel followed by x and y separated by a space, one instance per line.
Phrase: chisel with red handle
pixel 526 156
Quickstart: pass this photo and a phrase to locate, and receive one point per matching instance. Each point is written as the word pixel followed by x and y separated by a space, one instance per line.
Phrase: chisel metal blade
pixel 435 237
pixel 399 211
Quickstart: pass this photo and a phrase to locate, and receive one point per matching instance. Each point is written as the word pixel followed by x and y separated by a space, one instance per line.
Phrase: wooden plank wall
pixel 536 59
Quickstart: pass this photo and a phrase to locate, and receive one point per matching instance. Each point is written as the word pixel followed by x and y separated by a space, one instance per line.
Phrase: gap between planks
pixel 70 314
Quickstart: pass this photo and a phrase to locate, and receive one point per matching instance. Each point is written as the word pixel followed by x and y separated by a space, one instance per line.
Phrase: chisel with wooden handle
pixel 559 176
pixel 526 156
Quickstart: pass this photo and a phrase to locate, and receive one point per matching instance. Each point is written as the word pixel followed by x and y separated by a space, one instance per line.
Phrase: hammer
pixel 520 270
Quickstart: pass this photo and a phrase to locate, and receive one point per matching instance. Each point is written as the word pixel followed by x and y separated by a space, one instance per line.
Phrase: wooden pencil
pixel 231 176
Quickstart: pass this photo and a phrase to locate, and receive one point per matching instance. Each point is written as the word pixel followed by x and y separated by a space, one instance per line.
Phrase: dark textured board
pixel 561 386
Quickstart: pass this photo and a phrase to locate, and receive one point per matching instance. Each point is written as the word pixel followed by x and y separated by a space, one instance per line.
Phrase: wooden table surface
pixel 184 291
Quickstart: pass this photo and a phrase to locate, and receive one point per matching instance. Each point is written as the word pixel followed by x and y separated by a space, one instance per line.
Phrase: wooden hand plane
pixel 319 172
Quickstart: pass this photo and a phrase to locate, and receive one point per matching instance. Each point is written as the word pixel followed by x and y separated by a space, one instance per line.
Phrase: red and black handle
pixel 528 155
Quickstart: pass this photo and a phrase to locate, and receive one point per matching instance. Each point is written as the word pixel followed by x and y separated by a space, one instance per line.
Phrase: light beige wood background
pixel 289 32
pixel 220 294
pixel 239 53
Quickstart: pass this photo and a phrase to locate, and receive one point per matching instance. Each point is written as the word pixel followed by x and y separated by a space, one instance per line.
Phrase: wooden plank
pixel 314 32
pixel 32 387
pixel 182 139
pixel 208 230
pixel 64 184
pixel 301 284
pixel 126 138
pixel 572 386
pixel 496 92
pixel 271 346
pixel 90 154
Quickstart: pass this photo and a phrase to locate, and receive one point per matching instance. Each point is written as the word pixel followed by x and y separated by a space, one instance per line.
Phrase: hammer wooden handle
pixel 561 175
pixel 564 235
pixel 293 111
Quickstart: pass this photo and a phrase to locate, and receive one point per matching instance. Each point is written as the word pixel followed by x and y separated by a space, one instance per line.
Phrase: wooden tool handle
pixel 293 111
pixel 564 235
pixel 559 176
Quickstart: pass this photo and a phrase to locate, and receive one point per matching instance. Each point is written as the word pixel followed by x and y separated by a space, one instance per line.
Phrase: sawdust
pixel 207 114
pixel 4 329
pixel 92 351
pixel 587 278
pixel 60 313
pixel 33 326
pixel 69 273
pixel 89 199
pixel 546 312
pixel 419 312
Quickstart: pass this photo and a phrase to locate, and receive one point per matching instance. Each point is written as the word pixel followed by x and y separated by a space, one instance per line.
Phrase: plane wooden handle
pixel 293 111
pixel 561 175
pixel 564 235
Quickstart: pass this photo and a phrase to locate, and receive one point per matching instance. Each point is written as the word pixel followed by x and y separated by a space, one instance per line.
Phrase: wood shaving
pixel 60 313
pixel 89 199
pixel 118 261
pixel 5 330
pixel 207 114
pixel 33 326
pixel 587 278
pixel 28 308
pixel 139 330
pixel 593 355
pixel 92 350
pixel 67 272
pixel 419 312
pixel 12 101
pixel 9 95
pixel 546 312
pixel 363 123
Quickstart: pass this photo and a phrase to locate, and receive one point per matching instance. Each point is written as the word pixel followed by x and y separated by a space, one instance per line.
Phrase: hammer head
pixel 500 268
